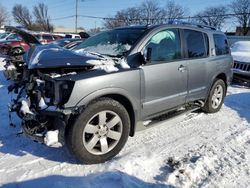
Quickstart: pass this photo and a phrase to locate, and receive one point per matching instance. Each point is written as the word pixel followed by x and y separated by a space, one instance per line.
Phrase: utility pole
pixel 76 16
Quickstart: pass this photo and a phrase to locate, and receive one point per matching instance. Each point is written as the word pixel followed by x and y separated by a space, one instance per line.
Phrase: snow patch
pixel 241 46
pixel 39 82
pixel 106 64
pixel 11 67
pixel 101 62
pixel 55 75
pixel 107 68
pixel 110 49
pixel 191 171
pixel 51 139
pixel 124 64
pixel 42 104
pixel 25 108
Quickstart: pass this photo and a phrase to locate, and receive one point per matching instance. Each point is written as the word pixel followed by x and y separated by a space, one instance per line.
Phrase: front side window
pixel 195 43
pixel 165 46
pixel 221 44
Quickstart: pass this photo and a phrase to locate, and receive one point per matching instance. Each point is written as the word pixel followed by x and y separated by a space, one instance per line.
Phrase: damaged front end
pixel 39 104
pixel 46 86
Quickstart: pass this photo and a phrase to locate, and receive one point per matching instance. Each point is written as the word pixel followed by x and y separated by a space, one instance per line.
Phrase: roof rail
pixel 175 22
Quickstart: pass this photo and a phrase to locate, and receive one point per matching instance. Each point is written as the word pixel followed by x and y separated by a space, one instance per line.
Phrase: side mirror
pixel 147 54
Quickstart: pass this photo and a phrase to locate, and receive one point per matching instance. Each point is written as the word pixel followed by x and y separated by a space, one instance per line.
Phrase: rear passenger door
pixel 164 78
pixel 196 53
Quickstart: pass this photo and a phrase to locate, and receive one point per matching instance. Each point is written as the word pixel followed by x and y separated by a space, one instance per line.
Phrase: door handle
pixel 182 68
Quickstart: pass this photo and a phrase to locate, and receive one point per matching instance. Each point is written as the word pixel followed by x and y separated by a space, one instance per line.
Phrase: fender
pixel 136 104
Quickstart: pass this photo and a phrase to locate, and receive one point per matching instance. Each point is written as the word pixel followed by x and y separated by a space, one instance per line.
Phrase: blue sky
pixel 103 8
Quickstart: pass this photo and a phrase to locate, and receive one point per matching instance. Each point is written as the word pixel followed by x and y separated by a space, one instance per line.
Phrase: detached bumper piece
pixel 45 126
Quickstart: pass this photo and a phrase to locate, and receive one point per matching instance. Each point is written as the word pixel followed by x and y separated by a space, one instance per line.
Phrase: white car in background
pixel 241 55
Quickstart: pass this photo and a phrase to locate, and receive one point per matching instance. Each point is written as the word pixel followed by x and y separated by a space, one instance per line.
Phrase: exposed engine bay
pixel 40 99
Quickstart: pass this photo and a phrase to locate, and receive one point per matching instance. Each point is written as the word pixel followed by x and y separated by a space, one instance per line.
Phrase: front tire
pixel 100 131
pixel 216 97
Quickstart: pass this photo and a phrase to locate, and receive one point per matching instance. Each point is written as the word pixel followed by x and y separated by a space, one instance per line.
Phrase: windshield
pixel 112 43
pixel 2 36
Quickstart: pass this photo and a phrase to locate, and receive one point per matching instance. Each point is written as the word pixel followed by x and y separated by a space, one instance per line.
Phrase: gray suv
pixel 95 97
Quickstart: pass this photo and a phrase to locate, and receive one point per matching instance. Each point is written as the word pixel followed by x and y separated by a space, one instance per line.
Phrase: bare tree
pixel 151 12
pixel 22 16
pixel 40 12
pixel 174 11
pixel 129 16
pixel 241 9
pixel 148 13
pixel 212 16
pixel 3 15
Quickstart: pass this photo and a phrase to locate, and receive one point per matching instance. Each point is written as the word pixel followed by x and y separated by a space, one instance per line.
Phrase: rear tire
pixel 99 132
pixel 216 97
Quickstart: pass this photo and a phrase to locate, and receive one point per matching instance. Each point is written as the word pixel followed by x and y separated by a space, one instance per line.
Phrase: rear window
pixel 221 44
pixel 196 44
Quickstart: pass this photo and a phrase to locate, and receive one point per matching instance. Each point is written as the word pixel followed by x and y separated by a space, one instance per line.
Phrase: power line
pixel 62 18
pixel 165 18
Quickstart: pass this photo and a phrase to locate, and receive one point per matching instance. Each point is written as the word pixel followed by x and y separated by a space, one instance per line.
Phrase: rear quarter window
pixel 196 44
pixel 221 44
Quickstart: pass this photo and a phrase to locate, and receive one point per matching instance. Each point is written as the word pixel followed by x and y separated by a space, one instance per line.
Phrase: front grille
pixel 241 66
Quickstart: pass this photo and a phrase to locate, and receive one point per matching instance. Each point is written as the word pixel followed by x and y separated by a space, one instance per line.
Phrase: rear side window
pixel 196 44
pixel 221 44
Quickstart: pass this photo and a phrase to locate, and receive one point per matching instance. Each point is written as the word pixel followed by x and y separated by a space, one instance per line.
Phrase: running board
pixel 165 120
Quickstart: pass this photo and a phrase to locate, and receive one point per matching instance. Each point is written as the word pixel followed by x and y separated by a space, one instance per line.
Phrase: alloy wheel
pixel 102 132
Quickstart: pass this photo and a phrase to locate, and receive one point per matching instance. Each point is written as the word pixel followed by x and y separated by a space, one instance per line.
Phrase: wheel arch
pixel 129 103
pixel 221 76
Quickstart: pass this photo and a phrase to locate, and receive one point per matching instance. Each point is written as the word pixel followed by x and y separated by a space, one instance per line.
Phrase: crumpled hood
pixel 52 56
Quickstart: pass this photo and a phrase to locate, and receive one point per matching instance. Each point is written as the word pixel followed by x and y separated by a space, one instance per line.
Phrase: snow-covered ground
pixel 208 150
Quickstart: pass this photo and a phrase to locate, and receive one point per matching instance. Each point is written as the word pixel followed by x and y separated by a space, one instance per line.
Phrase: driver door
pixel 165 75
